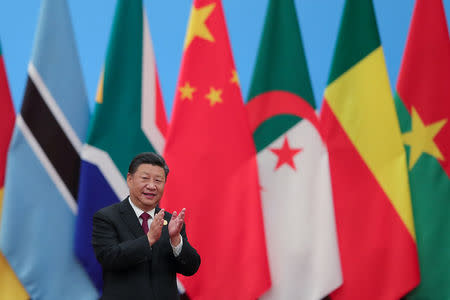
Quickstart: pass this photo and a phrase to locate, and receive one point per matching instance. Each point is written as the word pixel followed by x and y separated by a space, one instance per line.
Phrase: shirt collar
pixel 139 211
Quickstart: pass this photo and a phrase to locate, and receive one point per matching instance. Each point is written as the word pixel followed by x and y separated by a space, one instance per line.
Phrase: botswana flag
pixel 40 207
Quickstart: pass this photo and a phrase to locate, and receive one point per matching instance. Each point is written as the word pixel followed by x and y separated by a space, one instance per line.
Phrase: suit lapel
pixel 130 218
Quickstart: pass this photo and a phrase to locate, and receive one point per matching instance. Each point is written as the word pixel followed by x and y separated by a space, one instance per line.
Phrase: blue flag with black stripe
pixel 40 199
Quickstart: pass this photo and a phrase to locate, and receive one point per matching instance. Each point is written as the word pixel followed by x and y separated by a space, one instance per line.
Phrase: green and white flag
pixel 293 165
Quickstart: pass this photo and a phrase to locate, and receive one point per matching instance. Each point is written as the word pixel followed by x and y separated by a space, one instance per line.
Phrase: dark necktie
pixel 145 217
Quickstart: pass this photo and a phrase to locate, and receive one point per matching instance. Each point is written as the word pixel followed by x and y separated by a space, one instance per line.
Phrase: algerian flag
pixel 293 165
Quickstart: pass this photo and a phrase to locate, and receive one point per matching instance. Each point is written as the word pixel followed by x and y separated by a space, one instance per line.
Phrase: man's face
pixel 146 186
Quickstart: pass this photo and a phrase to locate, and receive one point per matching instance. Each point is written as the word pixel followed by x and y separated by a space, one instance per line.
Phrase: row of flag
pixel 282 203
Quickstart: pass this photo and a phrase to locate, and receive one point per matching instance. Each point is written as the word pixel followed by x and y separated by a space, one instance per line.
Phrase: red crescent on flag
pixel 270 104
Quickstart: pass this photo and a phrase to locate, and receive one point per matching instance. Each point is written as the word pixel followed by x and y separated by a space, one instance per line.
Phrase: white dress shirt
pixel 176 249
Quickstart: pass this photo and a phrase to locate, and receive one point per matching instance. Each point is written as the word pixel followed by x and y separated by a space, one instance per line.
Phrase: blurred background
pixel 319 21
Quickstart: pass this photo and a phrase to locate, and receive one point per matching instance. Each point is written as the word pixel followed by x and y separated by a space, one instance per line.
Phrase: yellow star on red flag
pixel 234 77
pixel 201 132
pixel 197 26
pixel 214 96
pixel 187 91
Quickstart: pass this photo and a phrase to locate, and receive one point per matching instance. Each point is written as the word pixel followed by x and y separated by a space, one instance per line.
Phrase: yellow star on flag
pixel 187 91
pixel 197 26
pixel 421 138
pixel 234 77
pixel 214 96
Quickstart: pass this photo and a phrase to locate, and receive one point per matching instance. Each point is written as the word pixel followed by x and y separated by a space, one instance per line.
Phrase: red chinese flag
pixel 212 159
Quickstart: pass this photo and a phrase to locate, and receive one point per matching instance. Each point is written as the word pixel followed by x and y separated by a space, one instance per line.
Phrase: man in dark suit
pixel 140 246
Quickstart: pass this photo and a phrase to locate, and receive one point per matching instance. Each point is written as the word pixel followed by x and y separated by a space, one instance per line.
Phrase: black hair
pixel 148 158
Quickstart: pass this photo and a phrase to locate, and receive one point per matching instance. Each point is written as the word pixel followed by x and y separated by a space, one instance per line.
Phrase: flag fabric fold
pixel 10 286
pixel 423 108
pixel 293 164
pixel 43 164
pixel 129 118
pixel 213 166
pixel 371 193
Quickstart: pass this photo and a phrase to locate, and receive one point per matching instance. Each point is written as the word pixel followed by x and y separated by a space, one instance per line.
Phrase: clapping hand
pixel 154 233
pixel 175 225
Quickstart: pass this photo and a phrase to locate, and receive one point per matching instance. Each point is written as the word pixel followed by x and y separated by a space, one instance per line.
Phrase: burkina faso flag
pixel 423 106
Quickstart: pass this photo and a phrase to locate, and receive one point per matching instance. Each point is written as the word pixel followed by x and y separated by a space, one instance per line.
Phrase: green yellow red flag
pixel 369 173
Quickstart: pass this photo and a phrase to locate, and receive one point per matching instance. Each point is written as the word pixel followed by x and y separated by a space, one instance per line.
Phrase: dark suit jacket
pixel 131 268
